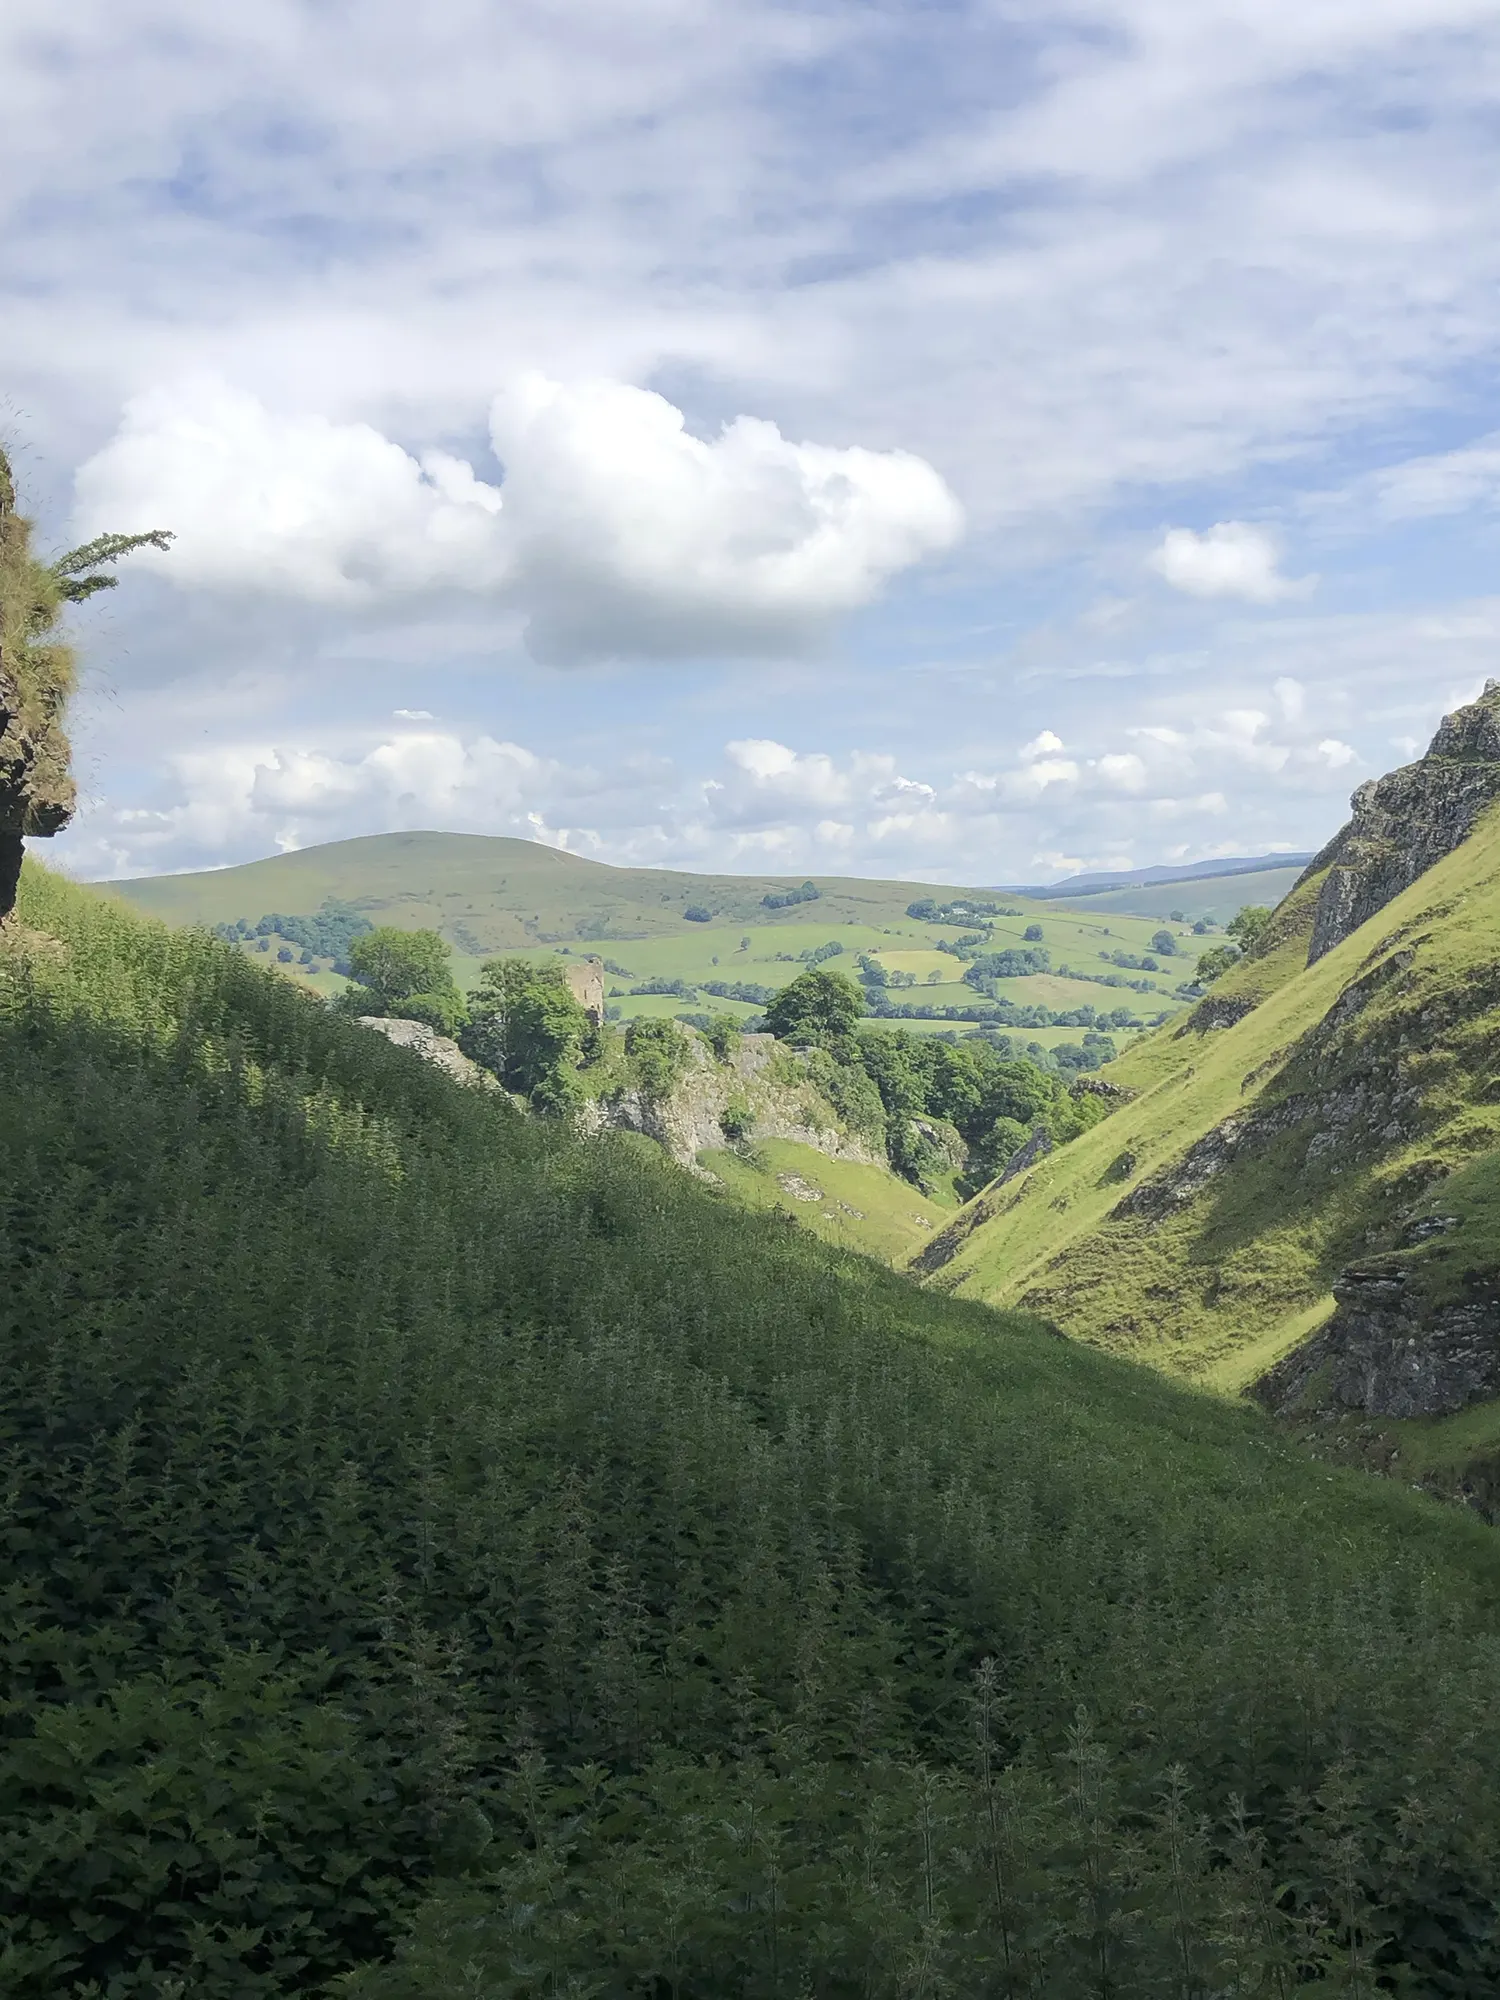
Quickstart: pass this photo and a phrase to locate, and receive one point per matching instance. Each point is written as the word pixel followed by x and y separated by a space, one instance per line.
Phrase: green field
pixel 498 895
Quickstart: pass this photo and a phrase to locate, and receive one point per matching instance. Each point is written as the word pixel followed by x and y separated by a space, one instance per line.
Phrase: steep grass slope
pixel 1204 1225
pixel 442 1558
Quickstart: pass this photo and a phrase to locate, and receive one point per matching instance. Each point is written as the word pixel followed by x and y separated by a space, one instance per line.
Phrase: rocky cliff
pixel 763 1088
pixel 1403 823
pixel 1391 1351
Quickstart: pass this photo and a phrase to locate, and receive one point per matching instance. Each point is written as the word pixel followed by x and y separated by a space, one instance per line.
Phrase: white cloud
pixel 412 714
pixel 331 512
pixel 617 530
pixel 1231 559
pixel 1336 754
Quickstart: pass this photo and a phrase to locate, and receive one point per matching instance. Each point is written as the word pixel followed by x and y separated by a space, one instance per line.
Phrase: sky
pixel 951 440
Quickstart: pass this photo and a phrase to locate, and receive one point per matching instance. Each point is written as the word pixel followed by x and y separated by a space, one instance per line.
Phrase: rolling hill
pixel 1307 1167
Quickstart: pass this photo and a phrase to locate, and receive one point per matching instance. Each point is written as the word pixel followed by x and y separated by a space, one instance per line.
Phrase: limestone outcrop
pixel 431 1046
pixel 1391 1352
pixel 759 1084
pixel 1404 822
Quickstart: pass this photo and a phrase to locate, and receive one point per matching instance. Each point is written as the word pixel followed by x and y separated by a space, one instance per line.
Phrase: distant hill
pixel 1196 871
pixel 1211 890
pixel 489 893
pixel 492 893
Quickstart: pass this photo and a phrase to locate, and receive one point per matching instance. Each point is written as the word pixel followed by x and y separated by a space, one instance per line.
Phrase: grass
pixel 860 1207
pixel 1217 1285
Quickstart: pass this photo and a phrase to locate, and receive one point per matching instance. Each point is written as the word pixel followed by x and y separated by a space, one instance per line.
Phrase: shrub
pixel 1033 934
pixel 696 914
pixel 722 1033
pixel 737 1120
pixel 1215 962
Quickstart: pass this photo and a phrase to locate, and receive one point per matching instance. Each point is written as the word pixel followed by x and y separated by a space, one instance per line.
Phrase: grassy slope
pixel 1218 1288
pixel 473 1516
pixel 862 1208
pixel 488 895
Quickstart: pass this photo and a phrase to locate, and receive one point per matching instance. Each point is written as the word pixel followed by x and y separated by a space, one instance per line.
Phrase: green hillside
pixel 443 1557
pixel 498 895
pixel 1344 1127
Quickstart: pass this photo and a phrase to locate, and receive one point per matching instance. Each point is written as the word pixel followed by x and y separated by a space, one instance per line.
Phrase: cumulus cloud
pixel 335 513
pixel 617 531
pixel 1231 559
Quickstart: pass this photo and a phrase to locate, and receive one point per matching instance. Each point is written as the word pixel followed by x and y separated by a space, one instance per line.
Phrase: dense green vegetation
pixel 326 934
pixel 445 1558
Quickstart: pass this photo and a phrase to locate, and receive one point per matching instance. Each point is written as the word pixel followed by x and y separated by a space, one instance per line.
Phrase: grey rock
pixel 1403 823
pixel 1391 1353
pixel 431 1047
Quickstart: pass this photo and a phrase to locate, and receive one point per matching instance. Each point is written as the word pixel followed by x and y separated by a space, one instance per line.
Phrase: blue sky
pixel 967 441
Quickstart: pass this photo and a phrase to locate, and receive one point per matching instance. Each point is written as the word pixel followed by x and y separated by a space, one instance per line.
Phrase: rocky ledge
pixel 1403 823
pixel 1390 1352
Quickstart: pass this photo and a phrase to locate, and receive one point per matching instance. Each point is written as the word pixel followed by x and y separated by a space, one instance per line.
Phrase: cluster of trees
pixel 1015 963
pixel 992 1101
pixel 961 910
pixel 784 899
pixel 327 934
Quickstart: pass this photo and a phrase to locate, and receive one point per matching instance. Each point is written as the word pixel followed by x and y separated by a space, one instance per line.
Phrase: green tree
pixel 1163 942
pixel 406 973
pixel 658 1051
pixel 1248 926
pixel 1215 963
pixel 1033 934
pixel 38 670
pixel 819 1008
pixel 527 1028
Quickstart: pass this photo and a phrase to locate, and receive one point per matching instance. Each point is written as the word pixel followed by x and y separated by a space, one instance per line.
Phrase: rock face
pixel 1390 1353
pixel 431 1046
pixel 1409 819
pixel 691 1119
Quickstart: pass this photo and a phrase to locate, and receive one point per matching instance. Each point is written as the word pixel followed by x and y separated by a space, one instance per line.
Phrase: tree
pixel 526 1026
pixel 658 1052
pixel 1215 962
pixel 37 674
pixel 1163 942
pixel 407 973
pixel 819 1008
pixel 1248 926
pixel 1033 934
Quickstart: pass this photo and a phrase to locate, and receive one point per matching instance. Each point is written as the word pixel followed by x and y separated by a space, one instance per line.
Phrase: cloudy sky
pixel 961 439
